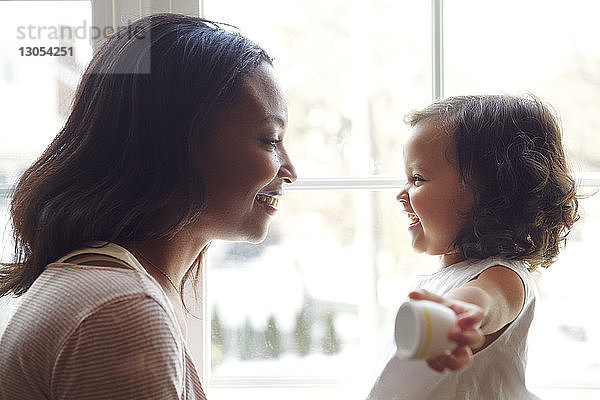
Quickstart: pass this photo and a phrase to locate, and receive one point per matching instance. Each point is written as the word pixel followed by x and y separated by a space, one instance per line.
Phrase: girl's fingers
pixel 470 318
pixel 437 364
pixel 460 358
pixel 463 310
pixel 422 294
pixel 473 338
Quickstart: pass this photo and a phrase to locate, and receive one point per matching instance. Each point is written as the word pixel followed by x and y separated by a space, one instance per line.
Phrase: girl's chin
pixel 418 246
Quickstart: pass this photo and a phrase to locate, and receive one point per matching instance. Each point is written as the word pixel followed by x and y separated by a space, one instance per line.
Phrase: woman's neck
pixel 167 259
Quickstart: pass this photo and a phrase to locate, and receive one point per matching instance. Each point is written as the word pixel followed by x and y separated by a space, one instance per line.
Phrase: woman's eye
pixel 271 142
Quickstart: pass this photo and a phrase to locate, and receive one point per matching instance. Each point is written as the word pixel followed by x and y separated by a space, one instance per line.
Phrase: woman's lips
pixel 269 201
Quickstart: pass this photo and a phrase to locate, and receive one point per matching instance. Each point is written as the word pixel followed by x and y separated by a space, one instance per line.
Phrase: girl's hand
pixel 468 336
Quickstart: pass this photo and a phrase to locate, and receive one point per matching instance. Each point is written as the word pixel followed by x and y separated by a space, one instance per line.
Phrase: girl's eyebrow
pixel 417 166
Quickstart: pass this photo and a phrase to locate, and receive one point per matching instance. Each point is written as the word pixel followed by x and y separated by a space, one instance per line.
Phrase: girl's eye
pixel 417 179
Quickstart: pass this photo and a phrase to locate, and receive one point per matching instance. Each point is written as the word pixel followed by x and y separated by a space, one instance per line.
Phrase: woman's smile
pixel 269 202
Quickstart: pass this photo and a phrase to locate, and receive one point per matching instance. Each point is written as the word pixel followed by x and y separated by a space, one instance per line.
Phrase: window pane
pixel 35 91
pixel 340 262
pixel 565 339
pixel 313 305
pixel 351 69
pixel 547 47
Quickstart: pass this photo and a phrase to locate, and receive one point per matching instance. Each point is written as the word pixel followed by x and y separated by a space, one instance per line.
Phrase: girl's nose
pixel 402 197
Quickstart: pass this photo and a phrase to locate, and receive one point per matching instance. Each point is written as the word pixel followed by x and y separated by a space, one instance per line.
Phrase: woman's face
pixel 243 163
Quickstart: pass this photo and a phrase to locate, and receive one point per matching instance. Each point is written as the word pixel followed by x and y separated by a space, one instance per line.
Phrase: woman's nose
pixel 287 171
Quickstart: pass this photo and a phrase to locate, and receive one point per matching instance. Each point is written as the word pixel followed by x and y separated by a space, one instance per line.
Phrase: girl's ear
pixel 465 198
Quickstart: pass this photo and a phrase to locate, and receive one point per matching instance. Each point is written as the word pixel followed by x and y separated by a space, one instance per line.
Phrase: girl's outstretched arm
pixel 483 306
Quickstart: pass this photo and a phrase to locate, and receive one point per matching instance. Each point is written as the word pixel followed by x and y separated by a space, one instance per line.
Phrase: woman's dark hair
pixel 146 98
pixel 509 151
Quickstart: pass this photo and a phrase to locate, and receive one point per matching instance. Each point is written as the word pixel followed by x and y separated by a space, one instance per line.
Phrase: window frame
pixel 112 13
pixel 116 14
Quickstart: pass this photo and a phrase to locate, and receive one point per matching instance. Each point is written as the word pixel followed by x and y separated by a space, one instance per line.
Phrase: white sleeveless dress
pixel 497 372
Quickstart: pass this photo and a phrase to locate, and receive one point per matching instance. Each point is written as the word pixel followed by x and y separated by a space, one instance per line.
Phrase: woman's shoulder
pixel 108 338
pixel 67 297
pixel 93 284
pixel 120 342
pixel 65 294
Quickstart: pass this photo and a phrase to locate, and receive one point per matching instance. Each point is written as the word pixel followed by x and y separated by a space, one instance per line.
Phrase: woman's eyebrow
pixel 274 118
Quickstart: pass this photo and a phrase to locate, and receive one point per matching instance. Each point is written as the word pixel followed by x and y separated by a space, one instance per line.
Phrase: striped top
pixel 91 332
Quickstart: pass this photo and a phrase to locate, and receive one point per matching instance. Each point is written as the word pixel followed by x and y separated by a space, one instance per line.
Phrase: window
pixel 35 90
pixel 337 254
pixel 548 48
pixel 309 313
pixel 324 283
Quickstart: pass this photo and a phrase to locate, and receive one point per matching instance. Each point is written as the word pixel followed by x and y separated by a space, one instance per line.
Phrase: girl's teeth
pixel 413 218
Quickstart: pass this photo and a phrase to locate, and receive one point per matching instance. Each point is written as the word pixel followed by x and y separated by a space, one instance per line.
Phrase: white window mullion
pixel 380 182
pixel 348 183
pixel 374 183
pixel 102 16
pixel 116 14
pixel 437 55
pixel 187 7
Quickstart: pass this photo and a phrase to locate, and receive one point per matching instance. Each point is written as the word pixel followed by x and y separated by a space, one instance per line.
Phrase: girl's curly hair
pixel 509 151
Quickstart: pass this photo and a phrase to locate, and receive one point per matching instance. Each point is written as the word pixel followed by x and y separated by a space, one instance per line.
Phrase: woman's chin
pixel 257 240
pixel 256 236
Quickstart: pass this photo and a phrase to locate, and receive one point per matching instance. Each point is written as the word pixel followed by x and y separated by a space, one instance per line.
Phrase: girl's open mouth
pixel 414 219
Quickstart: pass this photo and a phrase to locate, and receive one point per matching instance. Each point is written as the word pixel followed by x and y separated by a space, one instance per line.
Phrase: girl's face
pixel 434 197
pixel 244 163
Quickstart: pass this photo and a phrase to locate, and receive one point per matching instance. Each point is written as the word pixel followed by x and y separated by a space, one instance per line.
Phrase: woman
pixel 175 139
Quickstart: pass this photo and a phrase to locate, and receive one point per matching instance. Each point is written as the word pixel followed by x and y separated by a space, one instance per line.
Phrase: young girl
pixel 488 191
